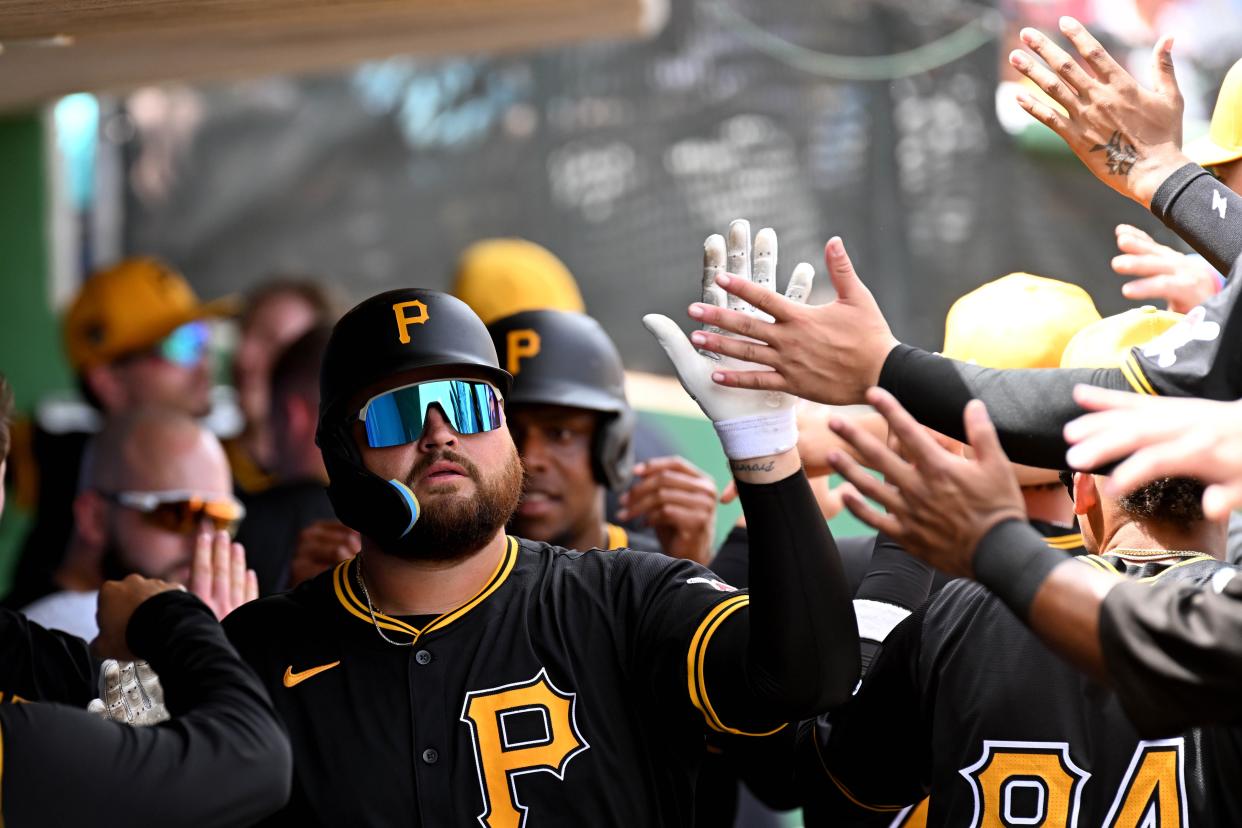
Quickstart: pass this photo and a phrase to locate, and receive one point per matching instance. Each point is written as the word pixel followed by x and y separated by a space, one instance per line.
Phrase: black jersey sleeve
pixel 1204 212
pixel 1029 406
pixel 793 651
pixel 37 664
pixel 1174 652
pixel 221 760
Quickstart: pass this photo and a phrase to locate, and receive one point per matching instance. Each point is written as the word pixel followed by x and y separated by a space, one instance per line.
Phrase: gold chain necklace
pixel 362 584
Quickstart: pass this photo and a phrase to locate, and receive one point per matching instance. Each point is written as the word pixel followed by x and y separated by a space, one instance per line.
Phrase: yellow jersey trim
pixel 1099 563
pixel 357 608
pixel 617 538
pixel 1072 541
pixel 846 792
pixel 696 658
pixel 1133 372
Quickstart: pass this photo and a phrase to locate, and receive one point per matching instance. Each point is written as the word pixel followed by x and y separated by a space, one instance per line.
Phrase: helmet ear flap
pixel 612 450
pixel 378 508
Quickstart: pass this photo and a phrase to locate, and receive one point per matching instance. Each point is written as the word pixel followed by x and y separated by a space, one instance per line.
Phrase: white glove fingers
pixel 685 359
pixel 713 262
pixel 714 295
pixel 150 682
pixel 110 683
pixel 799 288
pixel 739 258
pixel 763 271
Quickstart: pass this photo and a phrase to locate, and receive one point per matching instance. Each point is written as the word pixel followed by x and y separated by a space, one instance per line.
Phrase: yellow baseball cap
pixel 1223 143
pixel 1017 321
pixel 130 307
pixel 1107 343
pixel 501 277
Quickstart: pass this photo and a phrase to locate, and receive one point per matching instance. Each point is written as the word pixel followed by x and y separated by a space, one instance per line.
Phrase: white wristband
pixel 876 619
pixel 758 435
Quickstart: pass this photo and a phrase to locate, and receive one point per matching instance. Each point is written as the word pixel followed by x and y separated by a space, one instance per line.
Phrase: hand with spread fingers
pixel 825 353
pixel 678 500
pixel 939 504
pixel 1160 272
pixel 1160 437
pixel 1128 136
pixel 751 424
pixel 218 574
pixel 130 693
pixel 321 546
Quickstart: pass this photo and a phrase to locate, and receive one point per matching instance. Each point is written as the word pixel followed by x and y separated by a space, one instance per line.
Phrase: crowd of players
pixel 445 575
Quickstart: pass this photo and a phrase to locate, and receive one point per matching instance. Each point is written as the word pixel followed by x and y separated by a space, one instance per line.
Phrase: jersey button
pixel 431 756
pixel 423 657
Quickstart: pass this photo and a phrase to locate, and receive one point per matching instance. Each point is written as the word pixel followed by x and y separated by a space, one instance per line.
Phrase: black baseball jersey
pixel 966 704
pixel 221 761
pixel 569 691
pixel 38 664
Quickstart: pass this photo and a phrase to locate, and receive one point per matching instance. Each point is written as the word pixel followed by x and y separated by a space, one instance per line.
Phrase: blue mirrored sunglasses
pixel 186 345
pixel 396 417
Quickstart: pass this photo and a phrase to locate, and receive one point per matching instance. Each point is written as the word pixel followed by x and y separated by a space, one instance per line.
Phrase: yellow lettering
pixel 521 344
pixel 1152 793
pixel 405 320
pixel 520 728
pixel 1025 783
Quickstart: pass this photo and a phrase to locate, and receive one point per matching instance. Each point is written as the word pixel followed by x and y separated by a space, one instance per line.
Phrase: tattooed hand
pixel 1128 136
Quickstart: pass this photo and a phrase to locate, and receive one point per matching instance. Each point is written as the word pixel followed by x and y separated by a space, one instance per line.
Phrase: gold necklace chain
pixel 1147 554
pixel 362 584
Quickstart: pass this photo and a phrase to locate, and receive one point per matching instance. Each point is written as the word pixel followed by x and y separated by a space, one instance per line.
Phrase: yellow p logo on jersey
pixel 527 727
pixel 521 344
pixel 405 320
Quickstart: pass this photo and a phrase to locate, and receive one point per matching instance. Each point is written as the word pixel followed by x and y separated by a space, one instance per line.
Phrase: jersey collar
pixel 343 584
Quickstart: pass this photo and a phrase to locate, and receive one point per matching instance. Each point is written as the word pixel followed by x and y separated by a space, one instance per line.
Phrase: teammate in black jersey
pixel 967 704
pixel 451 675
pixel 574 430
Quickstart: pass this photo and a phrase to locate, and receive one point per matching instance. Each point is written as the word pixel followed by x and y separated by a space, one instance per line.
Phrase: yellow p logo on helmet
pixel 405 320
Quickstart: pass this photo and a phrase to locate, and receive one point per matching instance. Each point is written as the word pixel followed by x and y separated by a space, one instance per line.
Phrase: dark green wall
pixel 30 350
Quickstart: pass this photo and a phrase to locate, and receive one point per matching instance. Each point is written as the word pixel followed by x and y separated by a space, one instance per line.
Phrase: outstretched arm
pixel 222 760
pixel 794 650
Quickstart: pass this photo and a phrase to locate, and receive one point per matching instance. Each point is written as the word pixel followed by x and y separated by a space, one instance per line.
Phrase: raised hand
pixel 1161 437
pixel 1128 136
pixel 827 353
pixel 939 504
pixel 219 576
pixel 750 424
pixel 130 693
pixel 1160 272
pixel 677 500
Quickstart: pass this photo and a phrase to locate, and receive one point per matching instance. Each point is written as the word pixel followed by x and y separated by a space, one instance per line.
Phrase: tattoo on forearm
pixel 753 467
pixel 1120 154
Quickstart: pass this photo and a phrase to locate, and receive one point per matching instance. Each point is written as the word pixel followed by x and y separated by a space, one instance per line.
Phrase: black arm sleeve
pixel 1205 213
pixel 222 760
pixel 794 652
pixel 38 664
pixel 1174 653
pixel 1028 406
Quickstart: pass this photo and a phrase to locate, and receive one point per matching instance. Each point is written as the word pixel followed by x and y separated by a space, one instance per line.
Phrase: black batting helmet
pixel 564 358
pixel 384 336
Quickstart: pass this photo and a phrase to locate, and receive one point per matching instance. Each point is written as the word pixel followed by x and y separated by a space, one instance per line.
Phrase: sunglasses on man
pixel 183 512
pixel 398 416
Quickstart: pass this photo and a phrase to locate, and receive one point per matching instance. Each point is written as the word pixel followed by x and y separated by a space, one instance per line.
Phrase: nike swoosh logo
pixel 293 679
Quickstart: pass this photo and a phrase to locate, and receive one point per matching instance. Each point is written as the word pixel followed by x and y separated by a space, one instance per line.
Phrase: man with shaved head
pixel 155 499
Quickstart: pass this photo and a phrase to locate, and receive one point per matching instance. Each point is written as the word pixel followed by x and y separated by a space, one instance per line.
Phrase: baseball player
pixel 454 675
pixel 574 430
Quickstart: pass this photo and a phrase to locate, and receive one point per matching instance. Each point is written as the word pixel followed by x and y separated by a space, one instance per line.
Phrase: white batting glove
pixel 750 423
pixel 130 693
